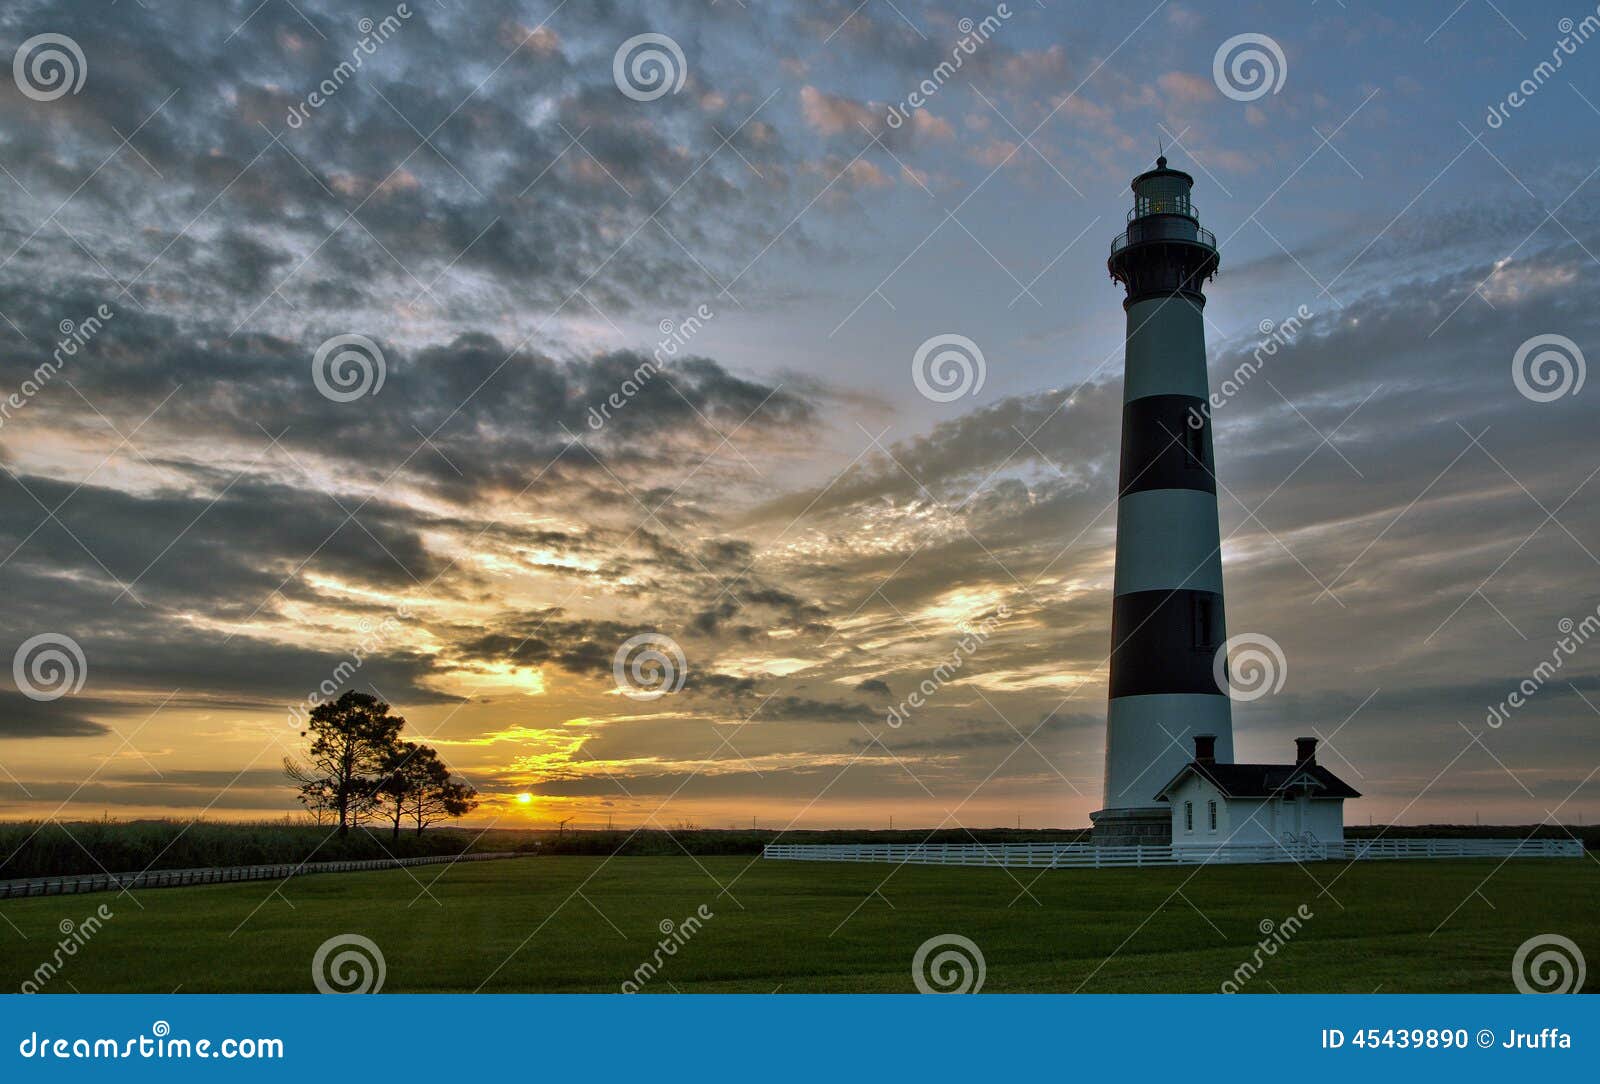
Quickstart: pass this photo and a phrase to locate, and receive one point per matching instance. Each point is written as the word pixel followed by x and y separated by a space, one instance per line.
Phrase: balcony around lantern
pixel 1163 226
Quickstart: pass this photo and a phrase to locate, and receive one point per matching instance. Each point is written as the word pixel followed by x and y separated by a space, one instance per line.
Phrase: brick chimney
pixel 1305 752
pixel 1205 748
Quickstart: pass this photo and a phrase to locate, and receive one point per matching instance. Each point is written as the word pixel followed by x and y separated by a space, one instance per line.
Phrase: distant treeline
pixel 48 849
pixel 704 841
pixel 34 849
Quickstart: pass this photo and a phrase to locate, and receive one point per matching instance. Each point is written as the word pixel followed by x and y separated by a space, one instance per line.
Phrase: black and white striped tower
pixel 1166 617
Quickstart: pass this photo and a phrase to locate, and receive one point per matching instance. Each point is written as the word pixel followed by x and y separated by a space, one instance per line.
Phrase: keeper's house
pixel 1255 804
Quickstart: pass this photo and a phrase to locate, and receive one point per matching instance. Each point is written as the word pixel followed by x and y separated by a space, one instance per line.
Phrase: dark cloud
pixel 24 717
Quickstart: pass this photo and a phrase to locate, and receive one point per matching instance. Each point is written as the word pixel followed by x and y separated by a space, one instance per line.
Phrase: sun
pixel 524 798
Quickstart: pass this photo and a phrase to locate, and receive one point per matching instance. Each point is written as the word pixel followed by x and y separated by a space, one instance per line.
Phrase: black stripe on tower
pixel 1162 448
pixel 1165 642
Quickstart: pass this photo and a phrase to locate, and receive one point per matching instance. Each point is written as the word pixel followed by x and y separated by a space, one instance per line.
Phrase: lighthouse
pixel 1166 613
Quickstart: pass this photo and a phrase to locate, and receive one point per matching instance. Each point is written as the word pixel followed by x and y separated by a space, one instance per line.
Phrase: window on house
pixel 1188 816
pixel 1211 811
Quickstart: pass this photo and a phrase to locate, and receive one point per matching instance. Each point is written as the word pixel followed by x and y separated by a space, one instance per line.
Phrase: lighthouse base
pixel 1150 826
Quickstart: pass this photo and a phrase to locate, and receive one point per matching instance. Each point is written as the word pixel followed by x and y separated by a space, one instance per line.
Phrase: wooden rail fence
pixel 172 878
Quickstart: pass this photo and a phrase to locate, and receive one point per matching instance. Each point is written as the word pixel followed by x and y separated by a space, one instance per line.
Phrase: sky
pixel 341 392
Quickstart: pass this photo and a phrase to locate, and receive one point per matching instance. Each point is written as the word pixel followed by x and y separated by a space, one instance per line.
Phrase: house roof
pixel 1264 780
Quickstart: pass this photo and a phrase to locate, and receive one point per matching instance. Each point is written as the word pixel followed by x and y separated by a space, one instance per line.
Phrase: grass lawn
pixel 585 924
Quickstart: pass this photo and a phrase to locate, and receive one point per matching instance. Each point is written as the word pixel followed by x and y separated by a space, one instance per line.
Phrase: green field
pixel 586 924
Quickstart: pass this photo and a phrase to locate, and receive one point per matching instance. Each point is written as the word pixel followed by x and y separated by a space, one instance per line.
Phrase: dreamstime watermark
pixel 75 335
pixel 948 964
pixel 973 34
pixel 1249 66
pixel 946 367
pixel 1548 963
pixel 74 935
pixel 374 636
pixel 648 666
pixel 1573 34
pixel 1249 666
pixel 674 337
pixel 155 1045
pixel 49 666
pixel 49 66
pixel 942 674
pixel 1274 935
pixel 649 66
pixel 1546 367
pixel 373 35
pixel 674 935
pixel 1278 336
pixel 1574 634
pixel 347 367
pixel 348 963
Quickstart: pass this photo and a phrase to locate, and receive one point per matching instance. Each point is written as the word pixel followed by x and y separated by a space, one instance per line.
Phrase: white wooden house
pixel 1252 804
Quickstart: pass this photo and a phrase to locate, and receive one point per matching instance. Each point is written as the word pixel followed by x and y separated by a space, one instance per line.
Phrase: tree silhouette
pixel 353 739
pixel 359 767
pixel 412 770
pixel 440 798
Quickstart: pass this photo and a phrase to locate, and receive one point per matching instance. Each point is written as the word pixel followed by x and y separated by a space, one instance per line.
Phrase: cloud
pixel 831 114
pixel 1187 87
pixel 23 717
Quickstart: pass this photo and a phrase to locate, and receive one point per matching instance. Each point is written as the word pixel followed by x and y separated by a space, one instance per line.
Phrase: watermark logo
pixel 675 335
pixel 973 34
pixel 160 1044
pixel 1274 935
pixel 1573 34
pixel 649 66
pixel 674 935
pixel 356 966
pixel 1548 963
pixel 948 964
pixel 1250 666
pixel 1574 634
pixel 1278 335
pixel 648 666
pixel 374 637
pixel 347 367
pixel 49 66
pixel 74 935
pixel 948 668
pixel 75 336
pixel 947 367
pixel 1249 66
pixel 49 666
pixel 373 34
pixel 1546 367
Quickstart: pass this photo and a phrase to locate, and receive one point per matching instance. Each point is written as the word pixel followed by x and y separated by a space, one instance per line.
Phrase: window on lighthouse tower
pixel 1205 623
pixel 1194 448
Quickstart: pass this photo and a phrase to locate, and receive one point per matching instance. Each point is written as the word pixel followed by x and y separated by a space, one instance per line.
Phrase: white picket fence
pixel 1087 855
